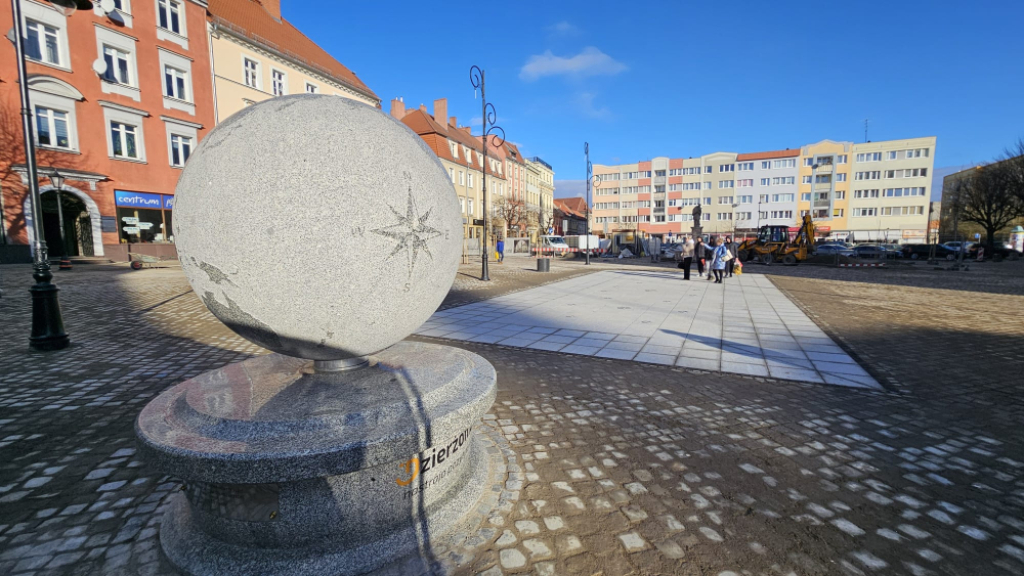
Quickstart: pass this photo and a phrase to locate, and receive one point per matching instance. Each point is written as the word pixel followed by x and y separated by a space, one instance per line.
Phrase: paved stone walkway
pixel 743 326
pixel 618 467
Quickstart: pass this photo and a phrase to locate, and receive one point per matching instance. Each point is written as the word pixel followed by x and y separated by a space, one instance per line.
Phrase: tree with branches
pixel 511 212
pixel 987 198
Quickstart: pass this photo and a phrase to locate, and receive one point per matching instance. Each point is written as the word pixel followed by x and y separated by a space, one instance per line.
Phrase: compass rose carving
pixel 411 232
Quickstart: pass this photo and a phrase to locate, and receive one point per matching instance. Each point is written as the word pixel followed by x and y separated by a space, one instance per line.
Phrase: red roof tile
pixel 768 155
pixel 249 19
pixel 576 206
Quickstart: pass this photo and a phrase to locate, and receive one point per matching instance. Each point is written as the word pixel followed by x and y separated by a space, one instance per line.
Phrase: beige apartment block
pixel 257 54
pixel 540 184
pixel 824 185
pixel 892 186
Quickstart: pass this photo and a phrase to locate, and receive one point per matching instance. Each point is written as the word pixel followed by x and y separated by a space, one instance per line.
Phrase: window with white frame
pixel 745 183
pixel 805 197
pixel 42 43
pixel 784 163
pixel 727 168
pixel 725 199
pixel 806 179
pixel 725 183
pixel 858 212
pixel 744 215
pixel 169 15
pixel 251 72
pixel 782 197
pixel 891 155
pixel 745 199
pixel 840 177
pixel 455 149
pixel 866 193
pixel 762 198
pixel 312 88
pixel 869 157
pixel 124 139
pixel 766 181
pixel 52 128
pixel 724 216
pixel 875 175
pixel 118 66
pixel 837 212
pixel 840 194
pixel 766 165
pixel 707 185
pixel 841 159
pixel 278 81
pixel 823 179
pixel 469 179
pixel 745 166
pixel 808 161
pixel 707 201
pixel 176 83
pixel 181 148
pixel 451 174
pixel 782 213
pixel 782 180
pixel 462 178
pixel 471 211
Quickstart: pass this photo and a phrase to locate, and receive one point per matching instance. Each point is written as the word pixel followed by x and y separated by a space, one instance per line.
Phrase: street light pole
pixel 488 116
pixel 47 324
pixel 592 181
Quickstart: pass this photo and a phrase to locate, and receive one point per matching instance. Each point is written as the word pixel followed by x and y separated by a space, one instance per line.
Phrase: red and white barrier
pixel 563 251
pixel 862 265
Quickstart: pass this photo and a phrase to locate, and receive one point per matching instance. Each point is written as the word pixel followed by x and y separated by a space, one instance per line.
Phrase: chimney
pixel 467 130
pixel 453 121
pixel 423 108
pixel 397 108
pixel 440 110
pixel 273 7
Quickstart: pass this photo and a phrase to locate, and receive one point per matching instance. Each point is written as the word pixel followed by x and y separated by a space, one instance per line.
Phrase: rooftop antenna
pixel 865 129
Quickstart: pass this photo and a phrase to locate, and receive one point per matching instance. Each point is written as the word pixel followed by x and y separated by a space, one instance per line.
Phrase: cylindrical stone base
pixel 291 471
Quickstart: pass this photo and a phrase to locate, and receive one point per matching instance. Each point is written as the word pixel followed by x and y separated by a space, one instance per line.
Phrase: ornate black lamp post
pixel 58 186
pixel 489 115
pixel 592 181
pixel 47 324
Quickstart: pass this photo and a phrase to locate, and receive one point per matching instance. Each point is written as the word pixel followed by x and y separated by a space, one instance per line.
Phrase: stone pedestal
pixel 290 470
pixel 697 231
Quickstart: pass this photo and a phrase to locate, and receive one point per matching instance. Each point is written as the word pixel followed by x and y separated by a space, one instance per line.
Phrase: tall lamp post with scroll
pixel 47 324
pixel 487 130
pixel 592 182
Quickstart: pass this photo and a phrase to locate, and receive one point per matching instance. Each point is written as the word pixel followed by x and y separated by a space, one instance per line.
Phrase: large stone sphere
pixel 317 227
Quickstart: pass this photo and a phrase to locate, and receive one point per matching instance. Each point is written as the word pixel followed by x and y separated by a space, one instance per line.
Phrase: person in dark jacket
pixel 699 254
pixel 731 264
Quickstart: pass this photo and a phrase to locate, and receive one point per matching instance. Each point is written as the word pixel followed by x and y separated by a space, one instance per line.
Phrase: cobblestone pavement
pixel 619 468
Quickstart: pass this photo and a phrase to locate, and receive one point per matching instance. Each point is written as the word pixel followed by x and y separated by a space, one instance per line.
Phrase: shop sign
pixel 145 225
pixel 131 229
pixel 137 199
pixel 168 202
pixel 914 233
pixel 823 228
pixel 130 220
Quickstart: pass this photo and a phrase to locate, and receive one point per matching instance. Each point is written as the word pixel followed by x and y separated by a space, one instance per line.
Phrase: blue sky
pixel 645 79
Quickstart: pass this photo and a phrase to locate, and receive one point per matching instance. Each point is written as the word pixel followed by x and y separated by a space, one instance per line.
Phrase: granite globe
pixel 317 227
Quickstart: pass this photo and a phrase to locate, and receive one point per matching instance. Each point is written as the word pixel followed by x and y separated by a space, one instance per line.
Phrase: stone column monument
pixel 325 231
pixel 696 230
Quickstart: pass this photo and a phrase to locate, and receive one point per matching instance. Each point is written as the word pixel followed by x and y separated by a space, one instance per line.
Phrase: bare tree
pixel 986 197
pixel 511 212
pixel 1013 164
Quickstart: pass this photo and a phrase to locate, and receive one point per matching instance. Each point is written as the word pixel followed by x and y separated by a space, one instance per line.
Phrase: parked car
pixel 954 246
pixel 893 250
pixel 923 252
pixel 870 251
pixel 834 249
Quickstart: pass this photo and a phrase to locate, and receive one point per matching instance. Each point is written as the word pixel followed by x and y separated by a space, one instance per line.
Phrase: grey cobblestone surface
pixel 619 468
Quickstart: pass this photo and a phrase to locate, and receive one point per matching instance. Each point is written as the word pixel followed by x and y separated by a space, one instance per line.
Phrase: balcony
pixel 826 168
pixel 660 179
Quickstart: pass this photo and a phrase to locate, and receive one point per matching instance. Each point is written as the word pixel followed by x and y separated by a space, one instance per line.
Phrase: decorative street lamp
pixel 592 181
pixel 47 324
pixel 488 116
pixel 58 186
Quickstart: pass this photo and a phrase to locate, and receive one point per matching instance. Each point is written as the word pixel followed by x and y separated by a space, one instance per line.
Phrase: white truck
pixel 583 243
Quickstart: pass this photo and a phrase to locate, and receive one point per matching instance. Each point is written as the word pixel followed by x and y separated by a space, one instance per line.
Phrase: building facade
pixel 869 191
pixel 569 216
pixel 257 55
pixel 119 101
pixel 540 189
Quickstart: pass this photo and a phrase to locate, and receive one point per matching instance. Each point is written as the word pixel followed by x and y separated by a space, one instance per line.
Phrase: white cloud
pixel 563 28
pixel 585 106
pixel 589 62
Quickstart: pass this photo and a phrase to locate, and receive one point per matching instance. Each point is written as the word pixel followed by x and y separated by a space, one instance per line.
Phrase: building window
pixel 471 211
pixel 840 195
pixel 181 148
pixel 169 15
pixel 725 184
pixel 311 88
pixel 470 179
pixel 841 159
pixel 786 163
pixel 805 179
pixel 808 161
pixel 122 137
pixel 746 199
pixel 766 181
pixel 725 199
pixel 744 166
pixel 805 197
pixel 870 157
pixel 451 174
pixel 891 155
pixel 707 185
pixel 707 169
pixel 175 83
pixel 278 82
pixel 252 73
pixel 875 175
pixel 462 178
pixel 52 128
pixel 781 180
pixel 837 213
pixel 727 168
pixel 744 183
pixel 840 177
pixel 117 66
pixel 43 44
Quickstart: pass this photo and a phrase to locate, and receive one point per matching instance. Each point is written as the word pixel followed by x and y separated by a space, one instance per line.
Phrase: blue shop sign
pixel 168 202
pixel 137 199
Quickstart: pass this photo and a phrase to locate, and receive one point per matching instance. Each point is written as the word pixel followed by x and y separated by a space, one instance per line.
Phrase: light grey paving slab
pixel 746 326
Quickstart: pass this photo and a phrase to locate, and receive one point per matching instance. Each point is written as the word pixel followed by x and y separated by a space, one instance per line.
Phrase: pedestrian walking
pixel 500 248
pixel 719 259
pixel 699 255
pixel 686 258
pixel 730 265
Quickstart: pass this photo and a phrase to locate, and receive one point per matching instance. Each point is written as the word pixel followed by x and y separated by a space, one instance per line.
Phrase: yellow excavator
pixel 774 245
